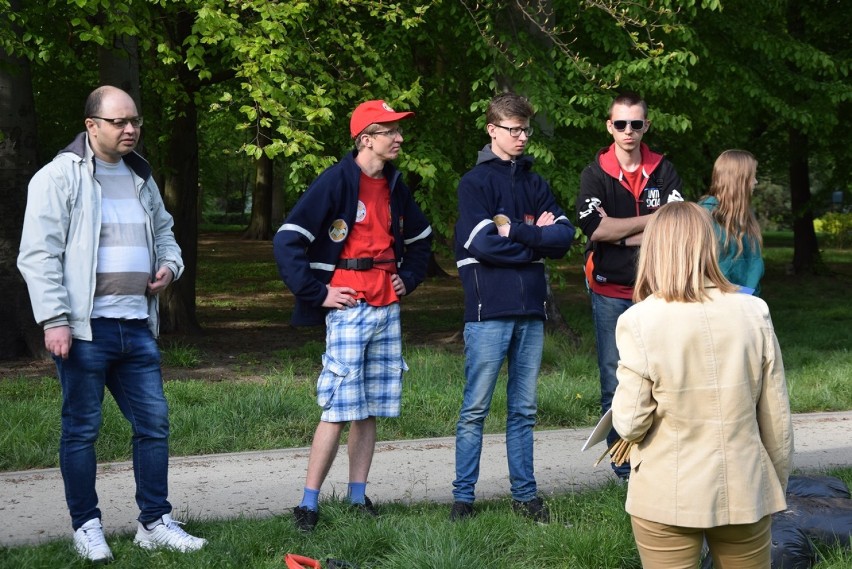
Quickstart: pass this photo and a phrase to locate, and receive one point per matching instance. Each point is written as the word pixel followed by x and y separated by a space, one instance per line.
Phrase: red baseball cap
pixel 371 112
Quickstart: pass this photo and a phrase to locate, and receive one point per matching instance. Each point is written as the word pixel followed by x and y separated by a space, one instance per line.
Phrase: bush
pixel 836 228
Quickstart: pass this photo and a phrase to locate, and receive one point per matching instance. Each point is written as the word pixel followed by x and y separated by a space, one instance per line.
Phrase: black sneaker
pixel 535 510
pixel 366 508
pixel 306 520
pixel 461 511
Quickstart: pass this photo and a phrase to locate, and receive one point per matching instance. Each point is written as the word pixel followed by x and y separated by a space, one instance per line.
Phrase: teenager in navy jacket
pixel 508 223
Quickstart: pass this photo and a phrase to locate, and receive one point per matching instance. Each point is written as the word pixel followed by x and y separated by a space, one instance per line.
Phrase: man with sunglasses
pixel 509 222
pixel 619 191
pixel 96 250
pixel 353 245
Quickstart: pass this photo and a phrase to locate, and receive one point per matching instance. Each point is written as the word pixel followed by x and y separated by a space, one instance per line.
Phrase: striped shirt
pixel 124 261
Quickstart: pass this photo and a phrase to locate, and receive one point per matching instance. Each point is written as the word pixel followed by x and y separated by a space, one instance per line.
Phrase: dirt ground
pixel 246 326
pixel 244 310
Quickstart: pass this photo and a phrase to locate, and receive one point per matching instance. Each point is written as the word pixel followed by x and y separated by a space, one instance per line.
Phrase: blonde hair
pixel 731 185
pixel 678 255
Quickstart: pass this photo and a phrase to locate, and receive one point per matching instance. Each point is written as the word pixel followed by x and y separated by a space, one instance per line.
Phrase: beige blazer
pixel 702 386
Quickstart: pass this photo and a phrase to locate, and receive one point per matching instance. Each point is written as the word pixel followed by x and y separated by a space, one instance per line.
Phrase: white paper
pixel 600 431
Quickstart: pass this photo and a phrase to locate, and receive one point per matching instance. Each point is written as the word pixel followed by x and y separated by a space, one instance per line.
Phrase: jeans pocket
pixel 331 378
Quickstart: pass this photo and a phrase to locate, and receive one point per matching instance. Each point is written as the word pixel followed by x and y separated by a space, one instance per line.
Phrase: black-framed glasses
pixel 121 123
pixel 636 124
pixel 515 131
pixel 392 132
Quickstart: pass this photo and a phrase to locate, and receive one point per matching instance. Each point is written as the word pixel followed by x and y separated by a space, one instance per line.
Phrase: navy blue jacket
pixel 504 277
pixel 308 245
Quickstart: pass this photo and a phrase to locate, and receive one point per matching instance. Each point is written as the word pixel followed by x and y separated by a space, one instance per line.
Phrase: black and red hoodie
pixel 611 267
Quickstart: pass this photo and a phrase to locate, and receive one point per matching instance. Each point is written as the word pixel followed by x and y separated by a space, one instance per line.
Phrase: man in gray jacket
pixel 97 247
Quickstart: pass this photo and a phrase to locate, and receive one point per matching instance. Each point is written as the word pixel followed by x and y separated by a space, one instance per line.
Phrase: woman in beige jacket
pixel 702 394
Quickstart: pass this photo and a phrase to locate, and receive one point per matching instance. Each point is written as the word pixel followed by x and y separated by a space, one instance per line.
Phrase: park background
pixel 246 101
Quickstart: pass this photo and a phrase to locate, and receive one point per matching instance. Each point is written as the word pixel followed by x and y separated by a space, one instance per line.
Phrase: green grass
pixel 811 317
pixel 180 354
pixel 589 530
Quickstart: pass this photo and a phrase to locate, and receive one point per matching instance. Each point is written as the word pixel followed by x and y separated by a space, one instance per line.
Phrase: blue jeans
pixel 124 357
pixel 487 344
pixel 606 311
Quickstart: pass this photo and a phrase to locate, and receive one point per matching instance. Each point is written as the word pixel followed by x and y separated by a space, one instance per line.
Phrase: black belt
pixel 362 263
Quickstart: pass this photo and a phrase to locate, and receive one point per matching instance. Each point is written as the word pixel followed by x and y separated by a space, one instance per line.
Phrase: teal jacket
pixel 744 270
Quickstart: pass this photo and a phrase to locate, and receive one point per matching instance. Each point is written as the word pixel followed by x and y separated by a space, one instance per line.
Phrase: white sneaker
pixel 167 533
pixel 90 543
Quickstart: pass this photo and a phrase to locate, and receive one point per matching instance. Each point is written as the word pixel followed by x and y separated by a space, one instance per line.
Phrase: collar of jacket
pixel 81 148
pixel 609 163
pixel 486 155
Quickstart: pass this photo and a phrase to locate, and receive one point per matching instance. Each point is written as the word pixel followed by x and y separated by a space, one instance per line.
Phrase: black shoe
pixel 366 508
pixel 461 511
pixel 306 520
pixel 535 510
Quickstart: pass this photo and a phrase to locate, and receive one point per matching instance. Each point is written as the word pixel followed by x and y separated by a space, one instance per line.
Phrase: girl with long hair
pixel 729 202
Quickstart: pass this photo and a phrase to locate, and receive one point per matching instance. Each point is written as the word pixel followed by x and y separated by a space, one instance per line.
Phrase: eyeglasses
pixel 122 123
pixel 515 131
pixel 634 125
pixel 390 132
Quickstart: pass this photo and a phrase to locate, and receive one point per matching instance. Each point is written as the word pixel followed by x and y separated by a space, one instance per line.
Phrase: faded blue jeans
pixel 606 311
pixel 123 357
pixel 487 344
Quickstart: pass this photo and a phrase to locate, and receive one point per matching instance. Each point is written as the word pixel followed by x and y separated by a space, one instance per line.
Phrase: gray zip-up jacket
pixel 62 225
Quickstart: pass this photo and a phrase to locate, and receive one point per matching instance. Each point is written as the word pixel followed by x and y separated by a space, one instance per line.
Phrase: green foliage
pixel 280 79
pixel 836 228
pixel 771 204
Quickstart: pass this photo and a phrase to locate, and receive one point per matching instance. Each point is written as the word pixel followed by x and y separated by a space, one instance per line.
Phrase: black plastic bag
pixel 791 548
pixel 817 487
pixel 825 520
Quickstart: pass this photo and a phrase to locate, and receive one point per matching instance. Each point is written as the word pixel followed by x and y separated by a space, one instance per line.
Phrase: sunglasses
pixel 634 125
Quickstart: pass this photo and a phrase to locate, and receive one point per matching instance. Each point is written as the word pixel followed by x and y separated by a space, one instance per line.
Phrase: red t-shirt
pixel 635 181
pixel 371 236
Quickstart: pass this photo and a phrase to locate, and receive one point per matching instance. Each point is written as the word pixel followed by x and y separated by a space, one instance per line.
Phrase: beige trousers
pixel 662 546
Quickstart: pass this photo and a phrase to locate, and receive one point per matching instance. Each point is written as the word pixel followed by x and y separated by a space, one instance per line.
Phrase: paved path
pixel 32 504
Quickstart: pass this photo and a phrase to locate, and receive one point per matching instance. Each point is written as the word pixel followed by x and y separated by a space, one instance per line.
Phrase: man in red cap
pixel 351 247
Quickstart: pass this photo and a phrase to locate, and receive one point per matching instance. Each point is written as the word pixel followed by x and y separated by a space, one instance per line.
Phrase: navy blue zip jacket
pixel 308 245
pixel 504 276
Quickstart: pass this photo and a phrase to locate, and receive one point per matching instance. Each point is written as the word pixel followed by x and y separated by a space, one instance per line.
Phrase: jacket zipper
pixel 478 296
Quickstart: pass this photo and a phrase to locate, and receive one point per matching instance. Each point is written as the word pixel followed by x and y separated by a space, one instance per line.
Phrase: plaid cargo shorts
pixel 363 365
